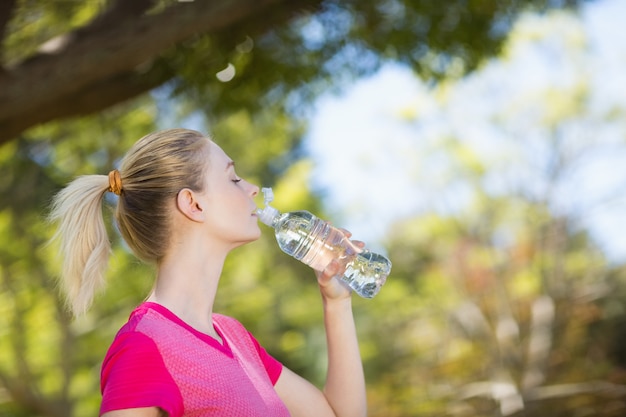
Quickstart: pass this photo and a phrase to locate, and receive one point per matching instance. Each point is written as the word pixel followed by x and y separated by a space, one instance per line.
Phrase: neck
pixel 186 284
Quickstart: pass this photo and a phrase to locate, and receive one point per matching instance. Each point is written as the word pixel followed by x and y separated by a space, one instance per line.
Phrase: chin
pixel 250 238
pixel 257 236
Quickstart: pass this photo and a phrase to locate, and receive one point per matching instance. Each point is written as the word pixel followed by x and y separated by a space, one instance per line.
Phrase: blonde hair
pixel 152 173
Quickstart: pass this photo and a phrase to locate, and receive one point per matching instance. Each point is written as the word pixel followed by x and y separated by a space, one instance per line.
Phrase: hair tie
pixel 115 182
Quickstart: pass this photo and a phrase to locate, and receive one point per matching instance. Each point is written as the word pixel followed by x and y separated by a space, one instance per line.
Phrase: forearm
pixel 345 382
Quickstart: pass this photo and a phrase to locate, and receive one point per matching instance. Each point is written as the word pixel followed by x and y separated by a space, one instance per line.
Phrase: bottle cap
pixel 268 213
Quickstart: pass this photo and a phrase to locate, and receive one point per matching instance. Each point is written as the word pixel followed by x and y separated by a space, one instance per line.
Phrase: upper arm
pixel 137 412
pixel 302 398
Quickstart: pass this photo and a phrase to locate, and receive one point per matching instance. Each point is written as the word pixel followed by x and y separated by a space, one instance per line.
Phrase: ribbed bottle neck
pixel 315 232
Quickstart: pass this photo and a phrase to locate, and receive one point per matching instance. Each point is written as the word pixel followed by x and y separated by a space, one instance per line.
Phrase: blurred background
pixel 479 144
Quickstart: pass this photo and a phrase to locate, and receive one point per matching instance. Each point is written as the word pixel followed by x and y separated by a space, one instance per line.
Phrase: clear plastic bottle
pixel 316 243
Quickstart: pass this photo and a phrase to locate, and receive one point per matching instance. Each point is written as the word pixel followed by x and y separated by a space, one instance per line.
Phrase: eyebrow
pixel 230 164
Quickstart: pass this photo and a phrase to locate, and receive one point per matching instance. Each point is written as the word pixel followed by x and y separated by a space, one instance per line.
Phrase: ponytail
pixel 154 170
pixel 84 243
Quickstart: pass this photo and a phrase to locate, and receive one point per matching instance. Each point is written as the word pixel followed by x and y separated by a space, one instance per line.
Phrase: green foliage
pixel 462 315
pixel 50 362
pixel 36 22
pixel 291 64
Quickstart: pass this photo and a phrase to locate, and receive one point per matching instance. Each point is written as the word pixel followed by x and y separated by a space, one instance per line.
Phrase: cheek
pixel 232 203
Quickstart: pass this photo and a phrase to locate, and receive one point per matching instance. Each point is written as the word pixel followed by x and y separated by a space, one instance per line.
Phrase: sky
pixel 378 148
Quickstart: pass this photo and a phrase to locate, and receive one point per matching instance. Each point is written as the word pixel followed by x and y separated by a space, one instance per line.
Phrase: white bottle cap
pixel 268 213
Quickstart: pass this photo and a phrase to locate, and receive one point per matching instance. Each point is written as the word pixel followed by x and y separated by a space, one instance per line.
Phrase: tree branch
pixel 50 84
pixel 90 99
pixel 6 12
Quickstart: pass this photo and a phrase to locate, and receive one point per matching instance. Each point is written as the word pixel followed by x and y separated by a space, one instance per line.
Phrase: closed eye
pixel 236 180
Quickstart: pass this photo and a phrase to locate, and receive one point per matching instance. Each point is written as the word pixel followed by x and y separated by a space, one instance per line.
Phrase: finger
pixel 358 243
pixel 331 270
pixel 346 232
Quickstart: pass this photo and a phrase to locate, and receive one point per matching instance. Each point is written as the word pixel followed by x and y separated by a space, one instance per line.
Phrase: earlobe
pixel 189 205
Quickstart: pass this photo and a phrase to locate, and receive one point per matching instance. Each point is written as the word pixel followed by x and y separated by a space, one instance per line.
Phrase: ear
pixel 189 205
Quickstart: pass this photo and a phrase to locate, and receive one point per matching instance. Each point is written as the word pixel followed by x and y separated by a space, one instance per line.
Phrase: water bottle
pixel 316 243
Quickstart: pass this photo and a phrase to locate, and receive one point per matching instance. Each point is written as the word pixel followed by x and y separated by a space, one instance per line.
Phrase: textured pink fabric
pixel 134 375
pixel 157 360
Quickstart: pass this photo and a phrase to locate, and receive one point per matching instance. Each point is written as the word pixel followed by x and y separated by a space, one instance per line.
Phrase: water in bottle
pixel 316 243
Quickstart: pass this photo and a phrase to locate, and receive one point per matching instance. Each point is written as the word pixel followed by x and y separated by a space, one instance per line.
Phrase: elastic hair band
pixel 115 182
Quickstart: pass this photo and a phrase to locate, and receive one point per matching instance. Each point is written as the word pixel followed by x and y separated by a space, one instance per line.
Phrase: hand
pixel 329 279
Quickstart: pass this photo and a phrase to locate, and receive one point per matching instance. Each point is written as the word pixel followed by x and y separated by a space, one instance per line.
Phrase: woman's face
pixel 229 201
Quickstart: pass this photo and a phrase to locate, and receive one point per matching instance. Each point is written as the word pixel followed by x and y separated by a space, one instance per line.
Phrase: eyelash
pixel 236 180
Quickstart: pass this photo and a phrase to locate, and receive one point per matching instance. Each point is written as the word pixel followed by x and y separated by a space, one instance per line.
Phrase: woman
pixel 182 207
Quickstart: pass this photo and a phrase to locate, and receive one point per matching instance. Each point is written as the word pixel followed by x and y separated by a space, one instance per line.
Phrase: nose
pixel 254 189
